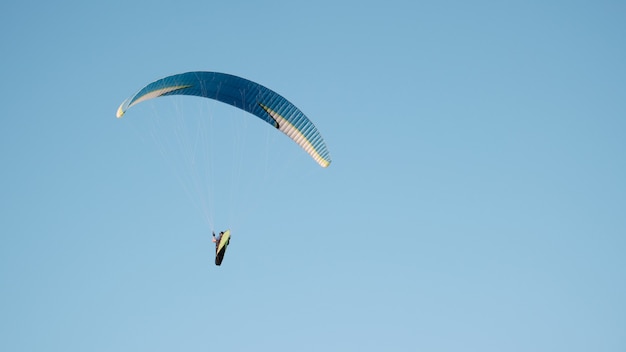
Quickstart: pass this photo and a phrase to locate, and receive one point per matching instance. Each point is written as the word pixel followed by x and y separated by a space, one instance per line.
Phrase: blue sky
pixel 475 201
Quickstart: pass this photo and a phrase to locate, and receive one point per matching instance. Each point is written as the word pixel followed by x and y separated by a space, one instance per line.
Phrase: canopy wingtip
pixel 120 111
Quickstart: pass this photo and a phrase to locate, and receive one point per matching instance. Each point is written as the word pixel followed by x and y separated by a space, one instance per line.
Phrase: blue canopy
pixel 243 94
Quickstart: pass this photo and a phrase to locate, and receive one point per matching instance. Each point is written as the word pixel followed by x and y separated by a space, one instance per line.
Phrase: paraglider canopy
pixel 243 94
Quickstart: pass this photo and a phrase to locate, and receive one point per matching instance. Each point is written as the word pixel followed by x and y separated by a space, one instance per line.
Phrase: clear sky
pixel 476 200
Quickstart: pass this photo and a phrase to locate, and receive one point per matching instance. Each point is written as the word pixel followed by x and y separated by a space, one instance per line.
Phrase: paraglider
pixel 246 95
pixel 221 243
